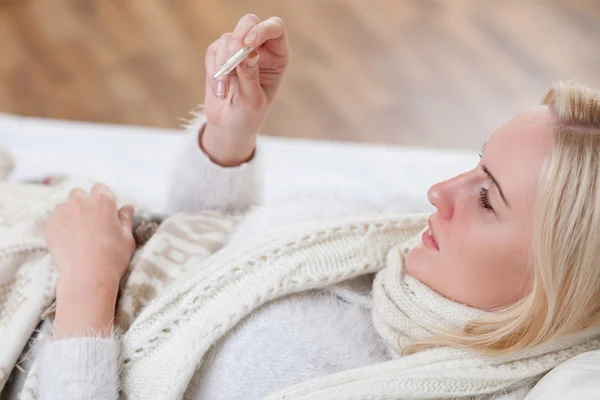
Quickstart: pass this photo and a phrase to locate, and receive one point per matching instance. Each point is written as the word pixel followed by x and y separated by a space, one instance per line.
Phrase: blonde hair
pixel 565 296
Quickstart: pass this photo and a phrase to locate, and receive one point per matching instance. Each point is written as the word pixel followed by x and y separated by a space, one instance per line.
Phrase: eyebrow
pixel 495 181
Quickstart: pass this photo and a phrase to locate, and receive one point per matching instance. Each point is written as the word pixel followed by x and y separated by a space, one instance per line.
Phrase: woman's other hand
pixel 237 105
pixel 91 244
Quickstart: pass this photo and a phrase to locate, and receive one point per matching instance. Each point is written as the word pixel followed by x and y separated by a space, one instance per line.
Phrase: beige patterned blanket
pixel 28 278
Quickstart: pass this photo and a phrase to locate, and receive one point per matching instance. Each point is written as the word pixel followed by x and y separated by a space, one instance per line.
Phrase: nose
pixel 443 194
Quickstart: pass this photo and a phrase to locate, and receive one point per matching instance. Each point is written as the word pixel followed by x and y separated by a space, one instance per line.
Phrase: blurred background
pixel 422 72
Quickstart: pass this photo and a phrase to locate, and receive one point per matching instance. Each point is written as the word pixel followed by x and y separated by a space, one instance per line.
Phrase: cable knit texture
pixel 239 279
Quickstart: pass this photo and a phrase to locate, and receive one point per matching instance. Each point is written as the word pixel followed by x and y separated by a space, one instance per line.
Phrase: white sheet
pixel 135 161
pixel 577 379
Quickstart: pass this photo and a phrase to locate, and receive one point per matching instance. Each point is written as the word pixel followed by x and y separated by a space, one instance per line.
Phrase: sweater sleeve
pixel 79 368
pixel 199 184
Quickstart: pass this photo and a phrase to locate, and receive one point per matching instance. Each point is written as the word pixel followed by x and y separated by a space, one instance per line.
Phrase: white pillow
pixel 577 378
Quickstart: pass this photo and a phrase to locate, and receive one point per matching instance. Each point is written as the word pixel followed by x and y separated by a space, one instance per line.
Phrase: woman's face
pixel 477 251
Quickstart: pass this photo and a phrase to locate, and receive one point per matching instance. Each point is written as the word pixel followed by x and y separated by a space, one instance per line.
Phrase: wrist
pixel 225 148
pixel 84 307
pixel 95 285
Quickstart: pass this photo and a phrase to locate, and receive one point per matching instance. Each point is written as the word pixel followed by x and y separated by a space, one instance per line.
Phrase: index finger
pixel 245 25
pixel 272 32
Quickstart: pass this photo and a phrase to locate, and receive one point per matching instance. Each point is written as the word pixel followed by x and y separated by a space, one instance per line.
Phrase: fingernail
pixel 250 38
pixel 220 89
pixel 251 62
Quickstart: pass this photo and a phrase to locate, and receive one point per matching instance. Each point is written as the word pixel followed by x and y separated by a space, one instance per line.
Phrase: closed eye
pixel 495 182
pixel 484 198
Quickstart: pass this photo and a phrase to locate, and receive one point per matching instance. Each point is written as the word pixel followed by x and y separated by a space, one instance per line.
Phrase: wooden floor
pixel 423 72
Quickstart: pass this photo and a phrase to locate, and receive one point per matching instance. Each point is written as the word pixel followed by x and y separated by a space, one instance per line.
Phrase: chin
pixel 413 259
pixel 420 263
pixel 417 262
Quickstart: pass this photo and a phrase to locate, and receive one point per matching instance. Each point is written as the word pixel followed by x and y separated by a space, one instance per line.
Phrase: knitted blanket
pixel 28 278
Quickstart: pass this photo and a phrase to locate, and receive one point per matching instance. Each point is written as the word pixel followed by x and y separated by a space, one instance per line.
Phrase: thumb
pixel 248 74
pixel 126 217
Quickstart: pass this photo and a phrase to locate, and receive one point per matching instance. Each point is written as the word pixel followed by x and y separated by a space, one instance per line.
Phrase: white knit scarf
pixel 405 310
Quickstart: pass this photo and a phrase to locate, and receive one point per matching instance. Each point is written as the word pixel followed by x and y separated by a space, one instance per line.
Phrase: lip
pixel 428 237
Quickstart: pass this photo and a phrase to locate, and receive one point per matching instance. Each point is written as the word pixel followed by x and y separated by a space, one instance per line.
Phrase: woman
pixel 509 257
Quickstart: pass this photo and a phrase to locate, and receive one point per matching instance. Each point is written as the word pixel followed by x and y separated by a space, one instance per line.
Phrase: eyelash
pixel 484 198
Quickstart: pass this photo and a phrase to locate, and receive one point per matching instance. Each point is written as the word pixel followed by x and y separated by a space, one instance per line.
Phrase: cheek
pixel 482 264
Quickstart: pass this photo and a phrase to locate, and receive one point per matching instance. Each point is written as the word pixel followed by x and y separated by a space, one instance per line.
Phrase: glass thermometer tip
pixel 233 62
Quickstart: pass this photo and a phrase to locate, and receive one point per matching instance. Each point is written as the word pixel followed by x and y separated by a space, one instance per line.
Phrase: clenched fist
pixel 91 244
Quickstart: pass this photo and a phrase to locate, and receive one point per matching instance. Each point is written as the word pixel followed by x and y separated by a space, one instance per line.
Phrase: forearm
pixel 81 358
pixel 198 182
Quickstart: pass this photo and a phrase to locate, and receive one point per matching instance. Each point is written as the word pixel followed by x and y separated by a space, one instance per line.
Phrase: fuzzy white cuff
pixel 79 368
pixel 199 184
